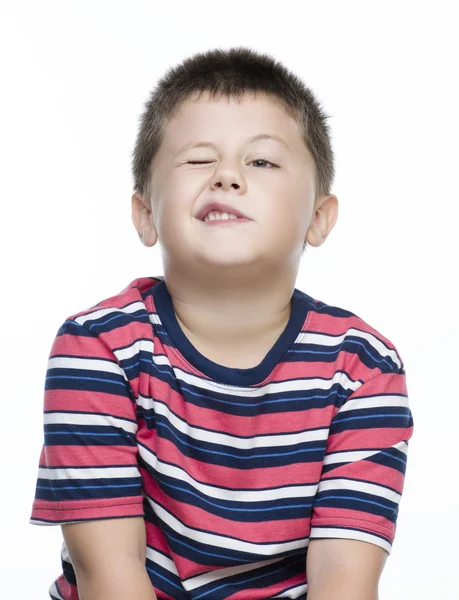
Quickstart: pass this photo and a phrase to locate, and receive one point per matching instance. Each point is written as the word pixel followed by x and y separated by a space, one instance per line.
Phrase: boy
pixel 256 437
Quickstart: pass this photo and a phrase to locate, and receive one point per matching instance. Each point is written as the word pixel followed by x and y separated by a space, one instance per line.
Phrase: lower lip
pixel 225 222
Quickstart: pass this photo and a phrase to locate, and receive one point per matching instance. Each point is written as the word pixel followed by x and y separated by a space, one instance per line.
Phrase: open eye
pixel 264 160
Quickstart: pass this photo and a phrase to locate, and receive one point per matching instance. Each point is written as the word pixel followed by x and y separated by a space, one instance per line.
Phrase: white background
pixel 74 77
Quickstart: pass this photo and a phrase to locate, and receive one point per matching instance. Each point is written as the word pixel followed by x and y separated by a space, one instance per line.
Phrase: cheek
pixel 290 225
pixel 175 198
pixel 184 190
pixel 288 209
pixel 174 215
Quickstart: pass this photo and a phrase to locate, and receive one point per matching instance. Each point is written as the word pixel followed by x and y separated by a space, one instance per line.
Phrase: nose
pixel 220 184
pixel 227 175
pixel 226 178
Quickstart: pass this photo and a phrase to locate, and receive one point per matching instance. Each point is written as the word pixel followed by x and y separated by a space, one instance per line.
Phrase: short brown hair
pixel 231 73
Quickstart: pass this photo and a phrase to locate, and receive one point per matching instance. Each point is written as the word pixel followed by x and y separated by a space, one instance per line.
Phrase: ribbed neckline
pixel 220 373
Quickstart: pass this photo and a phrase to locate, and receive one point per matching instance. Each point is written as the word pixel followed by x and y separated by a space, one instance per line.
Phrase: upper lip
pixel 221 208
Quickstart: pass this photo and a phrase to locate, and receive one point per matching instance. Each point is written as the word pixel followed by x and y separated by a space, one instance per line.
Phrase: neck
pixel 217 311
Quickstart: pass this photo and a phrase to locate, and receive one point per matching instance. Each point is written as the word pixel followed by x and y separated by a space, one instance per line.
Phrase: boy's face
pixel 277 196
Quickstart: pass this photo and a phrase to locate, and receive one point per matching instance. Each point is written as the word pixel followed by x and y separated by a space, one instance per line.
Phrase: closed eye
pixel 203 162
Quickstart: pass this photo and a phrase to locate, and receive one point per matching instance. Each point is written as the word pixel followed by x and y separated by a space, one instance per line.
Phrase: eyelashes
pixel 204 162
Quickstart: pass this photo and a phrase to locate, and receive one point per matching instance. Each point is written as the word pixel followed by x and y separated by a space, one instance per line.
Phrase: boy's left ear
pixel 143 220
pixel 325 217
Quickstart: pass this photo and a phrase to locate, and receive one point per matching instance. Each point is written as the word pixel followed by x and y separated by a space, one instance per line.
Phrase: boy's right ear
pixel 143 220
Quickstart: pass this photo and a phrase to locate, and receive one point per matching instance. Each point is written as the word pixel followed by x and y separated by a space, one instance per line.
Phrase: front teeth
pixel 214 214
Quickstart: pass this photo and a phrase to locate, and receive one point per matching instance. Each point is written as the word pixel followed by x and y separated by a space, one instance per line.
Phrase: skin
pixel 244 274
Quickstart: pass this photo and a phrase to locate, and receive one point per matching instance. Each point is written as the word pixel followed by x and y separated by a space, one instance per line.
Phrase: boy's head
pixel 282 184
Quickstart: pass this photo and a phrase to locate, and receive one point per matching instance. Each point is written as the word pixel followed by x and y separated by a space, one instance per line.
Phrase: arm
pixel 356 506
pixel 339 569
pixel 363 473
pixel 88 478
pixel 108 558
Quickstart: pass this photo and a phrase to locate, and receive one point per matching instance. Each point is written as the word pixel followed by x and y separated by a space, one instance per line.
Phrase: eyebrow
pixel 254 138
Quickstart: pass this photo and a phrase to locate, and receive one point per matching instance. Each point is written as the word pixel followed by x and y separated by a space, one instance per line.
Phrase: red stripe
pixel 96 508
pixel 361 439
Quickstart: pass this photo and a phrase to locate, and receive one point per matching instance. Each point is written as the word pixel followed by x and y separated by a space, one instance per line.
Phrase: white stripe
pixel 160 360
pixel 213 576
pixel 163 561
pixel 222 493
pixel 65 554
pixel 374 402
pixel 134 349
pixel 53 474
pixel 102 312
pixel 359 486
pixel 322 339
pixel 85 418
pixel 88 364
pixel 299 590
pixel 272 387
pixel 348 457
pixel 220 541
pixel 353 455
pixel 214 437
pixel 37 522
pixel 154 318
pixel 349 534
pixel 401 447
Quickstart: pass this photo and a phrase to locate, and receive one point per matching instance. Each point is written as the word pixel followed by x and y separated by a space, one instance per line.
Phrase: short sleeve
pixel 88 464
pixel 364 468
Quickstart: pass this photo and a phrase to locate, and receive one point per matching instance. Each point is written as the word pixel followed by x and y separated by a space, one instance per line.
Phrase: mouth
pixel 224 222
pixel 220 208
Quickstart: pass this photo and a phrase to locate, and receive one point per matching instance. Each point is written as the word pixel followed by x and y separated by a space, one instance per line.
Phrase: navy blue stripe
pixel 250 512
pixel 382 417
pixel 357 500
pixel 241 459
pixel 87 489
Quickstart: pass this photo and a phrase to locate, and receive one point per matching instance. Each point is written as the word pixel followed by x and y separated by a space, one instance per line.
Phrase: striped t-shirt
pixel 233 470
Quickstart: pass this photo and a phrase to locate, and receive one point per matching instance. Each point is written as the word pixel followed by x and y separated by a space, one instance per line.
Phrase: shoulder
pixel 359 346
pixel 121 315
pixel 111 335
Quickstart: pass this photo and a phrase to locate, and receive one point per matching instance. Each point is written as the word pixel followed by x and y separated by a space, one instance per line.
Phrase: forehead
pixel 230 118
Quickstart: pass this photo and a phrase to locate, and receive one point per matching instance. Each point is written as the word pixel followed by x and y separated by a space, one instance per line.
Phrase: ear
pixel 143 220
pixel 325 216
